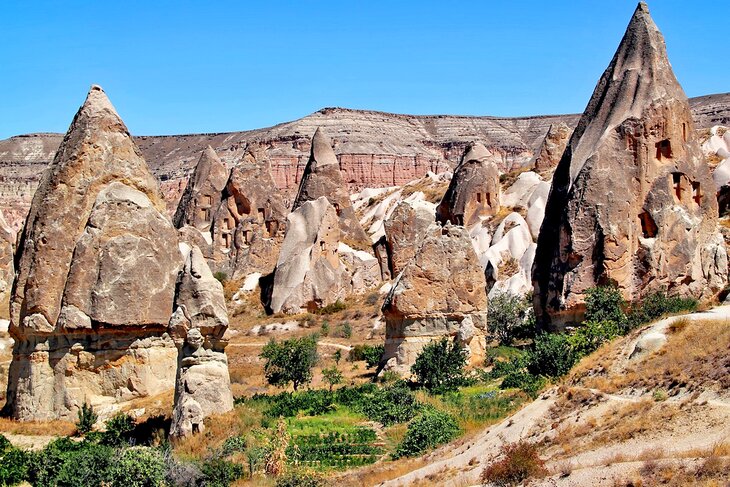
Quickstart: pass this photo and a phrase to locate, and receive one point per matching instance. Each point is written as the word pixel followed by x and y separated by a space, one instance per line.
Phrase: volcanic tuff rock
pixel 552 148
pixel 309 274
pixel 440 293
pixel 474 189
pixel 405 230
pixel 322 178
pixel 7 265
pixel 240 214
pixel 203 385
pixel 632 201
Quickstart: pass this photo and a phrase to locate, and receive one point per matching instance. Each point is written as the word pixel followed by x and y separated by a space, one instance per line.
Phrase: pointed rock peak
pixel 98 104
pixel 210 168
pixel 476 152
pixel 322 153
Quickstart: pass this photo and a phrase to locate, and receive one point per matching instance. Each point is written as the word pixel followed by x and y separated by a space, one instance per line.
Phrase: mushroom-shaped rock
pixel 440 293
pixel 322 177
pixel 474 190
pixel 632 200
pixel 97 265
pixel 309 274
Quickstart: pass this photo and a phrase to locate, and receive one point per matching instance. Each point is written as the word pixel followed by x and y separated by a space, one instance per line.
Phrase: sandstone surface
pixel 552 148
pixel 632 200
pixel 405 230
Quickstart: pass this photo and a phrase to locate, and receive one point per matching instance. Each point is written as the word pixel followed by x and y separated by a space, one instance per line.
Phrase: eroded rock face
pixel 203 385
pixel 552 147
pixel 240 215
pixel 309 274
pixel 97 265
pixel 322 177
pixel 474 191
pixel 632 201
pixel 7 264
pixel 405 230
pixel 440 292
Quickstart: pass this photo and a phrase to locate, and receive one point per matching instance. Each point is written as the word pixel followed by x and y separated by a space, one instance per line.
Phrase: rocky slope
pixel 375 149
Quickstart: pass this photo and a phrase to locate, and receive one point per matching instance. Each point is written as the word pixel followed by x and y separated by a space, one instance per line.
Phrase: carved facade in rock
pixel 441 292
pixel 632 200
pixel 474 191
pixel 240 215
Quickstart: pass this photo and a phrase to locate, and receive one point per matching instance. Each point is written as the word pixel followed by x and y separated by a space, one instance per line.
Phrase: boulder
pixel 440 293
pixel 97 266
pixel 474 190
pixel 405 230
pixel 632 200
pixel 309 274
pixel 322 177
pixel 518 194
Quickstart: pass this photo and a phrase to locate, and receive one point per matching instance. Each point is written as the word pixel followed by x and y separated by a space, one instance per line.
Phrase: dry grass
pixel 37 428
pixel 508 268
pixel 432 191
pixel 379 472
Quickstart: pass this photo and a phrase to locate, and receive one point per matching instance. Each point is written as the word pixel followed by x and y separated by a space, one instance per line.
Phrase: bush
pixel 335 307
pixel 344 330
pixel 332 376
pixel 371 354
pixel 219 472
pixel 13 463
pixel 520 462
pixel 221 277
pixel 655 306
pixel 440 366
pixel 605 303
pixel 591 335
pixel 524 381
pixel 137 467
pixel 88 465
pixel 233 444
pixel 551 355
pixel 119 430
pixel 390 405
pixel 428 430
pixel 301 478
pixel 290 361
pixel 87 419
pixel 511 317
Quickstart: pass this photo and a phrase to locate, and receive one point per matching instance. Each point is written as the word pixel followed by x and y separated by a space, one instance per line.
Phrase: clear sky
pixel 183 67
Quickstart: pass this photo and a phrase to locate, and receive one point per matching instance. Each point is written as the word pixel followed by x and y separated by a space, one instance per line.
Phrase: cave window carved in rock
pixel 261 214
pixel 664 149
pixel 272 226
pixel 204 214
pixel 697 192
pixel 247 237
pixel 226 240
pixel 479 197
pixel 684 132
pixel 489 199
pixel 678 185
pixel 196 428
pixel 207 200
pixel 337 209
pixel 228 223
pixel 322 246
pixel 648 226
pixel 242 206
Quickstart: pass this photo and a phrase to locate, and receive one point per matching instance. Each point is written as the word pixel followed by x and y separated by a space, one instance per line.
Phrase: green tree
pixel 332 376
pixel 290 361
pixel 87 418
pixel 510 317
pixel 605 303
pixel 337 356
pixel 440 366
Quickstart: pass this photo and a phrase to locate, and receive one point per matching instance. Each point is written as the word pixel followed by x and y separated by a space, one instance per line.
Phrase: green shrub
pixel 301 478
pixel 87 419
pixel 524 381
pixel 219 472
pixel 233 444
pixel 371 354
pixel 520 462
pixel 221 277
pixel 655 306
pixel 290 361
pixel 335 307
pixel 137 467
pixel 551 355
pixel 428 430
pixel 119 430
pixel 44 465
pixel 344 330
pixel 390 405
pixel 89 465
pixel 511 317
pixel 591 335
pixel 605 303
pixel 325 329
pixel 440 366
pixel 13 463
pixel 332 376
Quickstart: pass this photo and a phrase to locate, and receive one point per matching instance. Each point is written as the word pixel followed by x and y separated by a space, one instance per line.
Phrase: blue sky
pixel 186 67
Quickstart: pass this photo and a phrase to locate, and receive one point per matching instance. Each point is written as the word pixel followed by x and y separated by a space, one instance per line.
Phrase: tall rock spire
pixel 322 177
pixel 632 201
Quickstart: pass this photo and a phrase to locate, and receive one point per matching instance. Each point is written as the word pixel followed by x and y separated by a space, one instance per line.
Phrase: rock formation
pixel 405 230
pixel 322 177
pixel 440 292
pixel 474 190
pixel 309 274
pixel 98 263
pixel 632 201
pixel 203 385
pixel 7 264
pixel 552 148
pixel 239 215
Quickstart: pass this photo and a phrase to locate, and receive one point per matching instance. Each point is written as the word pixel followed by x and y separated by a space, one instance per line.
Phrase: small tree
pixel 605 303
pixel 440 366
pixel 332 376
pixel 510 317
pixel 372 355
pixel 337 356
pixel 290 361
pixel 87 418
